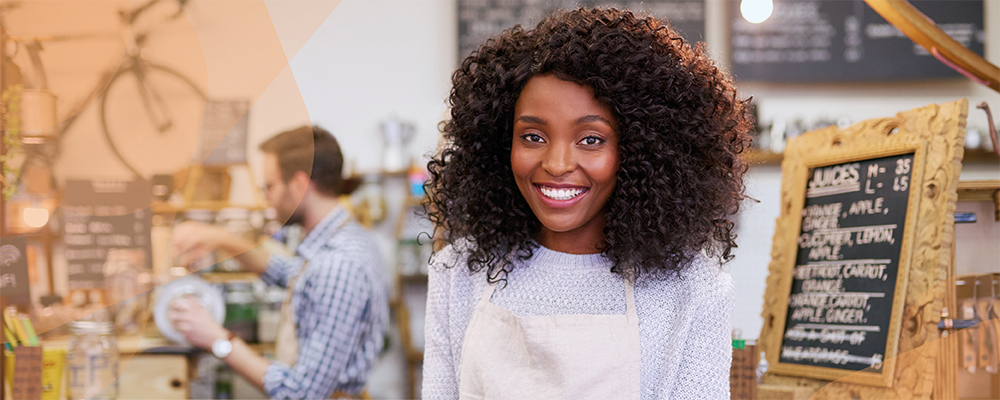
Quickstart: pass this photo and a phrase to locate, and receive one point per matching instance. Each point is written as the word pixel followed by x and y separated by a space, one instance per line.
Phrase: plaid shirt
pixel 341 310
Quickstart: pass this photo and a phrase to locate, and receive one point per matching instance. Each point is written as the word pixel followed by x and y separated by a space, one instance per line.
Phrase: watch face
pixel 221 348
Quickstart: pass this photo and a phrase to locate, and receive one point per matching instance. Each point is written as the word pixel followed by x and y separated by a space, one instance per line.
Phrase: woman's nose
pixel 559 160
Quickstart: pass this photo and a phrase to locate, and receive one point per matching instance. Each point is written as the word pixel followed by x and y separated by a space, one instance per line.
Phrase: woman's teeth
pixel 560 194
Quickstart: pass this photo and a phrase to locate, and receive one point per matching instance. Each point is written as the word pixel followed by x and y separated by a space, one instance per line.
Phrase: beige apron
pixel 286 344
pixel 550 357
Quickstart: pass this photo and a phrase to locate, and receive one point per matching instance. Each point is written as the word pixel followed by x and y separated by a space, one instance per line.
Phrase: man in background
pixel 336 310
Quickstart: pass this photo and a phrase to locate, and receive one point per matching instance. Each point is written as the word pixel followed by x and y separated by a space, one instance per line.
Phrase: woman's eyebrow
pixel 531 119
pixel 592 118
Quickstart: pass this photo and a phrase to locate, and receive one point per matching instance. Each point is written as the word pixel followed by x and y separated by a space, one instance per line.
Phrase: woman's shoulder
pixel 702 277
pixel 707 272
pixel 450 263
pixel 453 255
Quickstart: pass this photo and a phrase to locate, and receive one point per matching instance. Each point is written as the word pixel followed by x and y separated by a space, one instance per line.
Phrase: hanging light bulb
pixel 35 216
pixel 756 11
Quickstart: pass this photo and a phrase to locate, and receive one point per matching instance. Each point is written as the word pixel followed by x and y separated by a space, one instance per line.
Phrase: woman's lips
pixel 559 197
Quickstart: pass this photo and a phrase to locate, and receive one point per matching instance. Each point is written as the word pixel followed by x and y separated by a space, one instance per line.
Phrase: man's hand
pixel 194 240
pixel 192 320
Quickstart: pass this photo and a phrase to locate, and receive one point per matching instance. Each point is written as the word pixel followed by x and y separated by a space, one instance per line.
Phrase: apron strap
pixel 487 292
pixel 630 311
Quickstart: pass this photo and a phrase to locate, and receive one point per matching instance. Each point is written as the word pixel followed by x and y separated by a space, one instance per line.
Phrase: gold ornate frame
pixel 935 135
pixel 788 239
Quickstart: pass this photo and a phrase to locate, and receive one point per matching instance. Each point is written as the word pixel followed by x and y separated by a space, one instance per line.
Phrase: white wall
pixel 372 60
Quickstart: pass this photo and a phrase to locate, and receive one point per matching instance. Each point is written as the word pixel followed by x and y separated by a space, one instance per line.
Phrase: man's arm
pixel 246 362
pixel 201 330
pixel 194 240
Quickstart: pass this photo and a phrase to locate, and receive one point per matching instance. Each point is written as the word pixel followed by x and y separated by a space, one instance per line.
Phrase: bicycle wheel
pixel 150 118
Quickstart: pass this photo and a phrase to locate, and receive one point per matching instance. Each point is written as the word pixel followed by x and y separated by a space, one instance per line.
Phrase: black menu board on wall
pixel 844 40
pixel 847 264
pixel 479 20
pixel 99 216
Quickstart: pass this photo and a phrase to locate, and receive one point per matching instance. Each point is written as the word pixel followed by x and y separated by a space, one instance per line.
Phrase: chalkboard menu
pixel 845 40
pixel 479 20
pixel 99 216
pixel 843 284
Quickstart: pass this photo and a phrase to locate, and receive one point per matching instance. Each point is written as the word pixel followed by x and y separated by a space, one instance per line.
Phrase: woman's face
pixel 565 159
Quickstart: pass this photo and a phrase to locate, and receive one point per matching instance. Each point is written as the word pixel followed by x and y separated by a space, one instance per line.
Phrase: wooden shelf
pixel 414 356
pixel 227 277
pixel 127 344
pixel 985 190
pixel 166 208
pixel 413 278
pixel 978 156
pixel 756 157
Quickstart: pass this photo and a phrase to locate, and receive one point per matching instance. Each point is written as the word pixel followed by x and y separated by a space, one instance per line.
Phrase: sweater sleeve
pixel 440 380
pixel 707 354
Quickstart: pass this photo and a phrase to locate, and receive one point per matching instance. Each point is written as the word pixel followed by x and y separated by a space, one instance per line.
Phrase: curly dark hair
pixel 681 130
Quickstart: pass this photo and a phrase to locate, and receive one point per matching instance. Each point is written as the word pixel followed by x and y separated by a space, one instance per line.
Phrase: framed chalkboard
pixel 479 20
pixel 858 251
pixel 845 41
pixel 851 264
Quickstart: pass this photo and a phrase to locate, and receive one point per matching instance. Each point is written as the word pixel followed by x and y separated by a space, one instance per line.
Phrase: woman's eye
pixel 533 138
pixel 591 141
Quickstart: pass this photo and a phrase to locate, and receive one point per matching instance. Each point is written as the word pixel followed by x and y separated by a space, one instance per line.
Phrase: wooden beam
pixel 923 31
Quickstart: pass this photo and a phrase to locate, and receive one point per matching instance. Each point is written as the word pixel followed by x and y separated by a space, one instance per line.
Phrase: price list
pixel 845 41
pixel 847 262
pixel 479 20
pixel 99 216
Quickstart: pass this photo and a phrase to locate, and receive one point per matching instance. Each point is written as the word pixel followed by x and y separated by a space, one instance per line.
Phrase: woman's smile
pixel 560 196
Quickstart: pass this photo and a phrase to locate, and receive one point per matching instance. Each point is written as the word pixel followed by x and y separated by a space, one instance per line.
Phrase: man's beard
pixel 295 218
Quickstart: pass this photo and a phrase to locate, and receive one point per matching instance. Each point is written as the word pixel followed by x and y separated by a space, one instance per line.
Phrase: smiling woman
pixel 591 166
pixel 564 158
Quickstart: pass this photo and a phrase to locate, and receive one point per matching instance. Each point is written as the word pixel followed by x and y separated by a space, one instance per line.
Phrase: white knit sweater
pixel 684 323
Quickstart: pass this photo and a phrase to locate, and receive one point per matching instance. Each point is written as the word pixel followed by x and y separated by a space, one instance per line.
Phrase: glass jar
pixel 269 315
pixel 92 361
pixel 236 221
pixel 241 311
pixel 206 263
pixel 128 287
pixel 223 382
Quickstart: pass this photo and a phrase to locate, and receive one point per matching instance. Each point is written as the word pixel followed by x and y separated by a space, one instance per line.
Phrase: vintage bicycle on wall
pixel 148 112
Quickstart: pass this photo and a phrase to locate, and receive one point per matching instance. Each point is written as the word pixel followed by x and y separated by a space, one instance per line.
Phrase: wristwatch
pixel 222 347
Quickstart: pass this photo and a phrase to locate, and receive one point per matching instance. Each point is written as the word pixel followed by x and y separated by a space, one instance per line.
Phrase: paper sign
pixel 222 139
pixel 27 383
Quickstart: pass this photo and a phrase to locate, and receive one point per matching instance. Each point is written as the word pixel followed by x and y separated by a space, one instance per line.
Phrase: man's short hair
pixel 312 150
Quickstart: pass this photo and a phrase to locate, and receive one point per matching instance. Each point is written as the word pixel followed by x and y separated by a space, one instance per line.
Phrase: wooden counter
pixel 150 368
